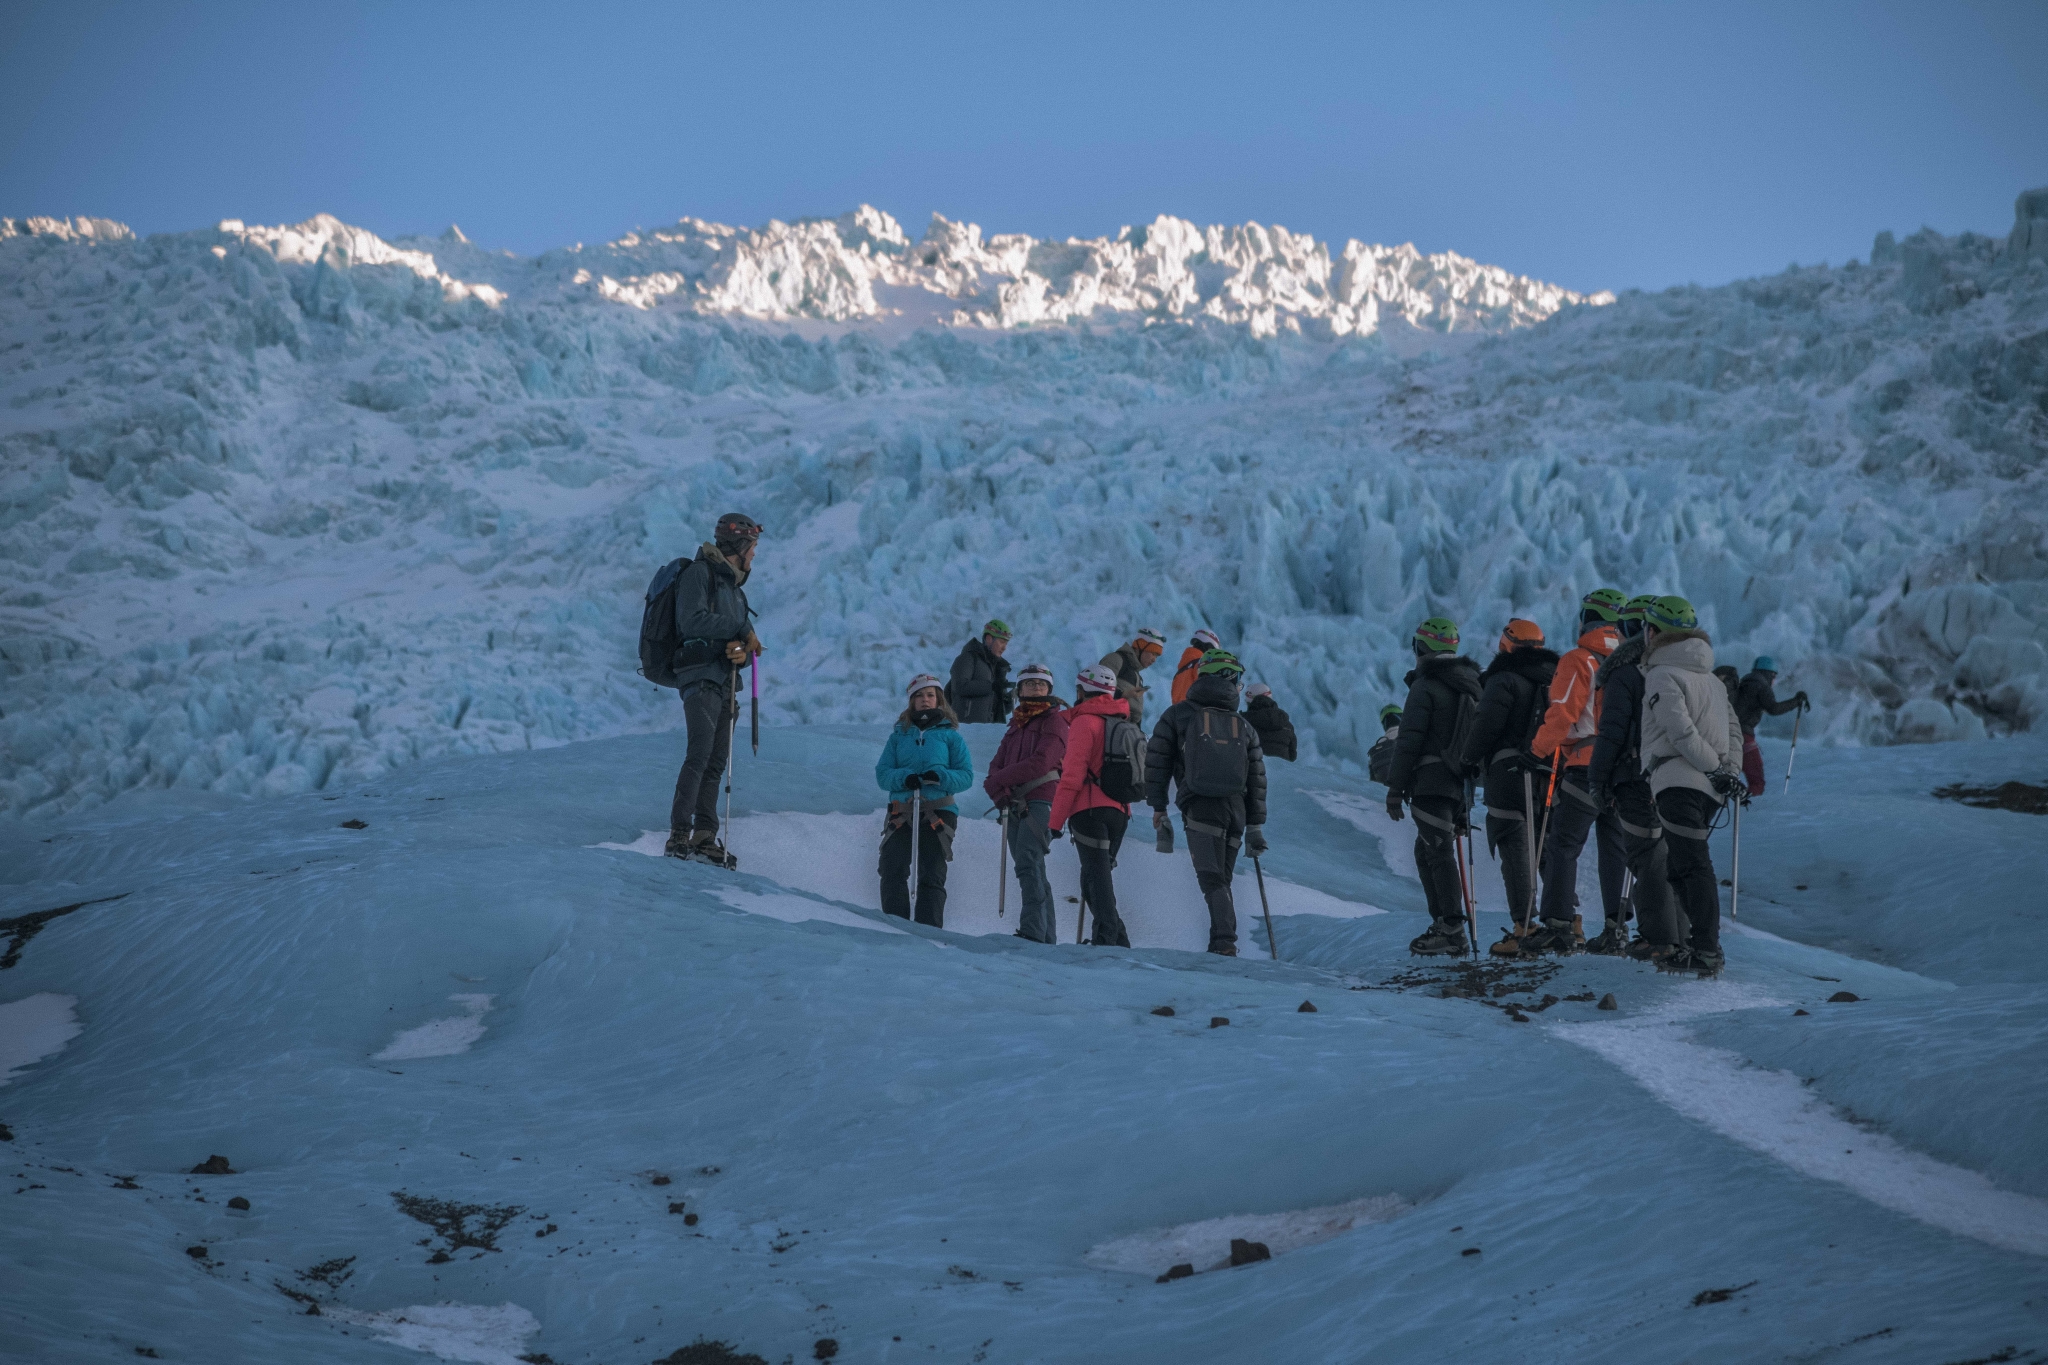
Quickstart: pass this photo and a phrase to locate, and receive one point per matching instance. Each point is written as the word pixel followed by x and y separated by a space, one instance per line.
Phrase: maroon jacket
pixel 1030 750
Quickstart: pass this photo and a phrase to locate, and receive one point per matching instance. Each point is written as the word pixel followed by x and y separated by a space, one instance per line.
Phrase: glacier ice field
pixel 329 795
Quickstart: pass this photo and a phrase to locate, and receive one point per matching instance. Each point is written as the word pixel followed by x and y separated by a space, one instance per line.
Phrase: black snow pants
pixel 1508 838
pixel 1098 833
pixel 934 851
pixel 1437 822
pixel 708 709
pixel 1570 822
pixel 1642 838
pixel 1688 816
pixel 1215 829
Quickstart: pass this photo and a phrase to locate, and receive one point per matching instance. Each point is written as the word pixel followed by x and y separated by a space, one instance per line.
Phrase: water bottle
pixel 1165 832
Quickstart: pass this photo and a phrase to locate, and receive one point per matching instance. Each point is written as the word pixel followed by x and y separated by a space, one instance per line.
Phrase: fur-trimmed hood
pixel 1629 651
pixel 1533 662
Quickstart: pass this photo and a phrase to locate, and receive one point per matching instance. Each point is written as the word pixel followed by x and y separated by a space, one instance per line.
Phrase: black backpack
pixel 1219 754
pixel 1463 724
pixel 1379 760
pixel 658 637
pixel 1122 777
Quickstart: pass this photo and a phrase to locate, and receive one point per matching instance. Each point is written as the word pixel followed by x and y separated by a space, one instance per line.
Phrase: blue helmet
pixel 1764 664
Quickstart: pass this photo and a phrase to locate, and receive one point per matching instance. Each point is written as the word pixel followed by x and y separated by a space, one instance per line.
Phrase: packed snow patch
pixel 1397 843
pixel 1773 1112
pixel 1206 1244
pixel 34 1028
pixel 800 910
pixel 476 1333
pixel 441 1037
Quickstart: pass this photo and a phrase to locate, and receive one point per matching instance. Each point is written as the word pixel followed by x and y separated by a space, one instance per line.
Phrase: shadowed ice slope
pixel 933 1145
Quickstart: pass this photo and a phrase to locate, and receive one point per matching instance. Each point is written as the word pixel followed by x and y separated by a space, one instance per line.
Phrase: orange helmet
pixel 1520 633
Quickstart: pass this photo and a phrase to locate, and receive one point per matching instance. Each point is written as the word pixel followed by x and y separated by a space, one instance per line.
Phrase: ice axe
pixel 754 686
pixel 1002 864
pixel 1272 944
pixel 1735 873
pixel 916 832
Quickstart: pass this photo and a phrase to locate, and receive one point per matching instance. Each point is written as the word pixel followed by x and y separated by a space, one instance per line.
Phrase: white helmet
pixel 922 681
pixel 1037 671
pixel 1095 678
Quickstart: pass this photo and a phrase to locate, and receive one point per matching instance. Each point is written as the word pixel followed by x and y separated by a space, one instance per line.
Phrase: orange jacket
pixel 1190 668
pixel 1573 718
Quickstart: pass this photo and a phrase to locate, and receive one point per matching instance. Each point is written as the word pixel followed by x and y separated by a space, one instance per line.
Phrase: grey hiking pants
pixel 1570 821
pixel 708 710
pixel 1029 843
pixel 1215 829
pixel 1437 820
pixel 1642 837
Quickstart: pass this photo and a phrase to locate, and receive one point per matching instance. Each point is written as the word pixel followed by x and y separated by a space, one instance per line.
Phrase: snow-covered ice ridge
pixel 286 506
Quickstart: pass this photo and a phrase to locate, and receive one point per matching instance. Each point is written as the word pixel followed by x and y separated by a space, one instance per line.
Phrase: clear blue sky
pixel 1599 145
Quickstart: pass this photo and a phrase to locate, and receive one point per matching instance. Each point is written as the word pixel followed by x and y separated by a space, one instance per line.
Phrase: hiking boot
pixel 1706 961
pixel 705 847
pixel 1555 936
pixel 1642 950
pixel 1443 938
pixel 1611 942
pixel 1223 949
pixel 678 845
pixel 1674 958
pixel 1510 944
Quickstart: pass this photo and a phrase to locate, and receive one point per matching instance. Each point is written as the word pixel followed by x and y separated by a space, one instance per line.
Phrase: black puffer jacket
pixel 1166 752
pixel 1276 731
pixel 1618 748
pixel 1427 719
pixel 1515 689
pixel 1755 698
pixel 711 611
pixel 980 685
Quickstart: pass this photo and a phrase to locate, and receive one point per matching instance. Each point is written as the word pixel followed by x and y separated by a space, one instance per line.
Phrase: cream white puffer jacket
pixel 1689 729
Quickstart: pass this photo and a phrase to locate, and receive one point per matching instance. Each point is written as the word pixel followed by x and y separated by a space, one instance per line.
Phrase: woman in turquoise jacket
pixel 924 751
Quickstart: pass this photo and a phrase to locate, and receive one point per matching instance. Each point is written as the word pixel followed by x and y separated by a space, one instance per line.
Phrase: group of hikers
pixel 1631 736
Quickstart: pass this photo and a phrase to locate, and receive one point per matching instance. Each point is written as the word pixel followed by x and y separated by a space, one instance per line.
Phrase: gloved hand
pixel 1255 840
pixel 930 778
pixel 1603 796
pixel 1393 806
pixel 735 651
pixel 1159 820
pixel 1726 783
pixel 1055 834
pixel 1804 704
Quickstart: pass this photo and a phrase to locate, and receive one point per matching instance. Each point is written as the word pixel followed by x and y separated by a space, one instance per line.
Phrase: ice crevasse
pixel 287 506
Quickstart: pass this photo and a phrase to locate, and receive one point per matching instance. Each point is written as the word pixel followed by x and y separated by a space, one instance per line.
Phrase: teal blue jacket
pixel 910 750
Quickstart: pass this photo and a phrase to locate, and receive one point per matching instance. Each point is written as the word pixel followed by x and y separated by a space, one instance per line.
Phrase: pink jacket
pixel 1079 775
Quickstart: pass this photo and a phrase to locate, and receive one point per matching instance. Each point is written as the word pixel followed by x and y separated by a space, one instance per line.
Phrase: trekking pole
pixel 1002 865
pixel 731 732
pixel 916 829
pixel 754 686
pixel 1272 944
pixel 1080 917
pixel 1793 757
pixel 1735 873
pixel 1549 804
pixel 1529 847
pixel 1465 891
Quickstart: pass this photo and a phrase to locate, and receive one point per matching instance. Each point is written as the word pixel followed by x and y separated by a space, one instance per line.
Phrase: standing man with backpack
pixel 1615 779
pixel 1755 698
pixel 1096 783
pixel 1692 752
pixel 1211 755
pixel 1442 683
pixel 979 689
pixel 1276 730
pixel 1019 786
pixel 1515 690
pixel 1191 662
pixel 1129 662
pixel 1565 739
pixel 695 636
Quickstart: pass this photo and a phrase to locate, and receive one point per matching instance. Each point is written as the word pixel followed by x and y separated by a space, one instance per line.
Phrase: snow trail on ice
pixel 800 910
pixel 1206 1244
pixel 1773 1113
pixel 35 1027
pixel 440 1037
pixel 474 1333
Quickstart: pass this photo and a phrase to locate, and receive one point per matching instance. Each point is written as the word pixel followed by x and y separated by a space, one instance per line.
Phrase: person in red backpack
pixel 1191 662
pixel 1098 820
pixel 1019 785
pixel 1565 739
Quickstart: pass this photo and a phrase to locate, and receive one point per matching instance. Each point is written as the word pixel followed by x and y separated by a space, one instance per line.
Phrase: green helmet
pixel 1633 609
pixel 1000 629
pixel 1605 603
pixel 1390 714
pixel 1437 635
pixel 1672 613
pixel 1220 661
